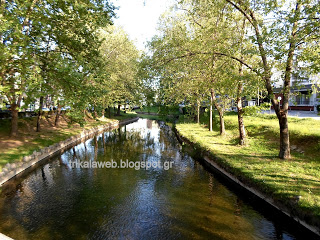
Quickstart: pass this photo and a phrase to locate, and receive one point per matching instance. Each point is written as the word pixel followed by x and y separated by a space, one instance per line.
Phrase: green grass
pixel 152 117
pixel 151 109
pixel 258 164
pixel 162 110
pixel 166 118
pixel 16 154
pixel 126 115
pixel 34 141
pixel 163 113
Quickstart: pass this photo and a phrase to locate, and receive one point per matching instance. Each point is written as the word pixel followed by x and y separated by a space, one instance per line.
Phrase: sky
pixel 139 18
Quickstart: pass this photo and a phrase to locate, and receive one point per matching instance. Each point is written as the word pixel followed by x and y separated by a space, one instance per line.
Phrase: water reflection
pixel 58 202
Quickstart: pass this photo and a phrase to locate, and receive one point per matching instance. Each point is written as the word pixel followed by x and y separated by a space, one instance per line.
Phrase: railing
pixel 303 102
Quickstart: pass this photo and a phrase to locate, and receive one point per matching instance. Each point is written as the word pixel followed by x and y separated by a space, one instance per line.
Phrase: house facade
pixel 305 91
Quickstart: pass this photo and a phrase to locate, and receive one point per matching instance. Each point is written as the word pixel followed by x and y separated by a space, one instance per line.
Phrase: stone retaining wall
pixel 10 170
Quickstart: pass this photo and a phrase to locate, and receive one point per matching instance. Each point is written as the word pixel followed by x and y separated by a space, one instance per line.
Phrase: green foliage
pixel 148 80
pixel 149 109
pixel 120 60
pixel 50 48
pixel 76 116
pixel 169 110
pixel 191 57
pixel 256 110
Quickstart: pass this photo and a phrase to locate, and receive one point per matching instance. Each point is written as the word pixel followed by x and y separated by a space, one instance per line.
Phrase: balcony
pixel 303 102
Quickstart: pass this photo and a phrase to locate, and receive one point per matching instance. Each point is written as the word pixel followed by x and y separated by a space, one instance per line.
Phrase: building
pixel 305 95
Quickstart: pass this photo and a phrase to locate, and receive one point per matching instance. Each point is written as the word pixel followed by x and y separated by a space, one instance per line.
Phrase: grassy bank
pixel 28 140
pixel 151 117
pixel 151 109
pixel 161 110
pixel 294 182
pixel 163 113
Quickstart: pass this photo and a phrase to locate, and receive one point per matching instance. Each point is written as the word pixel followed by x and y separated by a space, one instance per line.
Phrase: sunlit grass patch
pixel 295 181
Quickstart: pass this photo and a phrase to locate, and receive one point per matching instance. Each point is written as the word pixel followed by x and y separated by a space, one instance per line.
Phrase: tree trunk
pixel 242 131
pixel 283 114
pixel 14 120
pixel 118 112
pixel 211 110
pixel 198 111
pixel 103 111
pixel 56 121
pixel 220 111
pixel 284 138
pixel 109 112
pixel 222 127
pixel 39 114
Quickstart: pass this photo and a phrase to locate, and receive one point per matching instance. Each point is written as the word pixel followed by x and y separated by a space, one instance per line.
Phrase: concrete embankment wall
pixel 209 161
pixel 11 170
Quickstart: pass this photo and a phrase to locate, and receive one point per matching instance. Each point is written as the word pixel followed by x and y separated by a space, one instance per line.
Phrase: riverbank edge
pixel 13 169
pixel 148 113
pixel 210 160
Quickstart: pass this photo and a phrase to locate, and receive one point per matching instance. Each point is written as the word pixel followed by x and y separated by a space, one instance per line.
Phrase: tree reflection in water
pixel 58 202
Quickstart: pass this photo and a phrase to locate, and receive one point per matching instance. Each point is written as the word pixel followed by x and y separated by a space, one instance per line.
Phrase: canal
pixel 70 197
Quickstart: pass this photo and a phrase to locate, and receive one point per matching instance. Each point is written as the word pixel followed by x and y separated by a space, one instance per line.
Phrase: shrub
pixel 255 110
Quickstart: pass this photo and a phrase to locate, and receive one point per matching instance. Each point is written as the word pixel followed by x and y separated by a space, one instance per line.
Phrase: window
pixel 303 98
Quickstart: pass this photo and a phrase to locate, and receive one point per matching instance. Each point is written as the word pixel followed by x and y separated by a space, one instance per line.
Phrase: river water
pixel 187 201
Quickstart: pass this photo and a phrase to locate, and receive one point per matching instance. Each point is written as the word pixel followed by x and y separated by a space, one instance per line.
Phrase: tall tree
pixel 30 29
pixel 120 57
pixel 295 24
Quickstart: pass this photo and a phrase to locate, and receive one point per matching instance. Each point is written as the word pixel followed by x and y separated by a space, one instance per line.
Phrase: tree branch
pixel 190 54
pixel 241 10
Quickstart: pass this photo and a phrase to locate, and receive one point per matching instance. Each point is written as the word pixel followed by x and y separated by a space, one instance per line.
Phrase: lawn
pixel 294 182
pixel 28 140
pixel 151 109
pixel 163 113
pixel 161 110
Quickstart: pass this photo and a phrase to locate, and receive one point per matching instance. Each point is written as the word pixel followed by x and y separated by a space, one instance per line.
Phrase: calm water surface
pixel 185 202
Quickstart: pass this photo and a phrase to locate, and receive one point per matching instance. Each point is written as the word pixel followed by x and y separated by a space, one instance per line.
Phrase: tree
pixel 148 78
pixel 180 81
pixel 32 29
pixel 207 38
pixel 295 25
pixel 120 57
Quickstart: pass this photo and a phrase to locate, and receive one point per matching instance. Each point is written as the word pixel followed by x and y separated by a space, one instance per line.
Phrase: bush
pixel 318 108
pixel 76 116
pixel 255 110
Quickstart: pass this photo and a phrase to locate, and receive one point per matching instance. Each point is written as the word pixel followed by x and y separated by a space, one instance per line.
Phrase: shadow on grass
pixel 28 147
pixel 31 141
